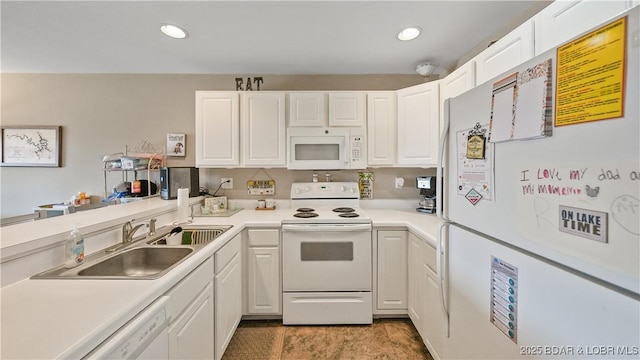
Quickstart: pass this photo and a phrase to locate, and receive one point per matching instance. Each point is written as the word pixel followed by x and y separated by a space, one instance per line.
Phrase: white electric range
pixel 326 251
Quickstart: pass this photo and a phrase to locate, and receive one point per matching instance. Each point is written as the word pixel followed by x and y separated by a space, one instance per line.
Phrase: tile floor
pixel 270 340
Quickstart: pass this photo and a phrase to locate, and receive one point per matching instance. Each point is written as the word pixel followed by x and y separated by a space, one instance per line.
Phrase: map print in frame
pixel 30 146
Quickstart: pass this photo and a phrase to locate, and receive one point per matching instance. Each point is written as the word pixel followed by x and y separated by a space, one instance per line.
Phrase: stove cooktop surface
pixel 326 215
pixel 330 201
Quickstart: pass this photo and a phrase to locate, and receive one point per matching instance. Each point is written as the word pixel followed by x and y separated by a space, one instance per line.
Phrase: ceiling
pixel 246 37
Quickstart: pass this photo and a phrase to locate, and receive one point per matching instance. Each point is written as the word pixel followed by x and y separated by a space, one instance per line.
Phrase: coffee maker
pixel 427 186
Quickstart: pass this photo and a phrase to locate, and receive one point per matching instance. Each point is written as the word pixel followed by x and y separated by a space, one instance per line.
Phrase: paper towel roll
pixel 183 205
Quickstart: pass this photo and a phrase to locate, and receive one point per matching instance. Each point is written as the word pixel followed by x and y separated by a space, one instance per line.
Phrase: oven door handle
pixel 326 227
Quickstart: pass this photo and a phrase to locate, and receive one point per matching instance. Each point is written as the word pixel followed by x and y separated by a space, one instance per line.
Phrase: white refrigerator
pixel 540 255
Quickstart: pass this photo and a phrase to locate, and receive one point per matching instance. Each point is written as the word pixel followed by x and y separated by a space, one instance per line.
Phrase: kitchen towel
pixel 183 205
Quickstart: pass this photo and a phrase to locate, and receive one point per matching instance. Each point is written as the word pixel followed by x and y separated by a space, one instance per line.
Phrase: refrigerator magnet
pixel 476 143
pixel 473 196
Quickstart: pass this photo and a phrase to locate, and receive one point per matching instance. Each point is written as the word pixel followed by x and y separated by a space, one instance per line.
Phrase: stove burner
pixel 305 210
pixel 344 210
pixel 305 214
pixel 348 215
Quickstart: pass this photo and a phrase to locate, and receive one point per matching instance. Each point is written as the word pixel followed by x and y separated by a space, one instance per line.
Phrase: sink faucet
pixel 128 230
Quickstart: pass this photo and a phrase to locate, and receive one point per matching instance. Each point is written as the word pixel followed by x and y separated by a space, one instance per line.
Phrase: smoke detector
pixel 426 69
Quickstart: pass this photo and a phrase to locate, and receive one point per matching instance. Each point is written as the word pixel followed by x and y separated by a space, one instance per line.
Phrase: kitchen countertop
pixel 24 238
pixel 422 225
pixel 68 318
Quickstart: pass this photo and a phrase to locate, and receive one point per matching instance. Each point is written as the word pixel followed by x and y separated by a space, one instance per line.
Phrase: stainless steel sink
pixel 138 262
pixel 135 263
pixel 140 259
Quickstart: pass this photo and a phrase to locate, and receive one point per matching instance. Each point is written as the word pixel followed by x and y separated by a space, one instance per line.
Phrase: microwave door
pixel 326 152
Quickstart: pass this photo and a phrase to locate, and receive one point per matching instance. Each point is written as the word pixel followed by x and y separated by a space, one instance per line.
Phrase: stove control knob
pixel 302 190
pixel 347 189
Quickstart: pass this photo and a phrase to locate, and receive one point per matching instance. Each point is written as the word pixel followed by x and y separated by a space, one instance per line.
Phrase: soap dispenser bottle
pixel 74 249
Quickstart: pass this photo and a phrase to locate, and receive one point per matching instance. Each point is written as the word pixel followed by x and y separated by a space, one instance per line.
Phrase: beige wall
pixel 383 180
pixel 100 114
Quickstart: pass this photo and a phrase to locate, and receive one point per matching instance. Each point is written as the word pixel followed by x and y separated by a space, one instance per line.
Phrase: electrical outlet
pixel 228 185
pixel 399 182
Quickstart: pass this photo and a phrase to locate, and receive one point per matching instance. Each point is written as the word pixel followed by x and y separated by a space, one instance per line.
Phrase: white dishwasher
pixel 144 337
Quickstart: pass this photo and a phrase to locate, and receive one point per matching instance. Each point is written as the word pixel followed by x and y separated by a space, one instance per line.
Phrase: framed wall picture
pixel 31 146
pixel 176 144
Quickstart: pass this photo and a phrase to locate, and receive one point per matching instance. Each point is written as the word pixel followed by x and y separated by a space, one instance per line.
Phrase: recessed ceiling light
pixel 173 31
pixel 409 33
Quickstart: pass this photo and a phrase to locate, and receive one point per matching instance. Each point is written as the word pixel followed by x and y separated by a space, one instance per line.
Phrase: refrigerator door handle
pixel 440 210
pixel 442 280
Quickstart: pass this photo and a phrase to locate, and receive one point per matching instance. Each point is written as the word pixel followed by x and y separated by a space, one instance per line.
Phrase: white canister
pixel 174 239
pixel 262 204
pixel 270 203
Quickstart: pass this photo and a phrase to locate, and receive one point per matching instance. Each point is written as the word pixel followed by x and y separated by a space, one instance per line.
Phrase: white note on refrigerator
pixel 521 105
pixel 532 110
pixel 502 104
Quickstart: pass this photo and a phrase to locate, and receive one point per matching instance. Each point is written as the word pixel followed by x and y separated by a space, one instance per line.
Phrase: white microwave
pixel 326 148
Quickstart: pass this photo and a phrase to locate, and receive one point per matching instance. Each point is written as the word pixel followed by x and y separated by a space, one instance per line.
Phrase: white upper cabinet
pixel 381 128
pixel 564 20
pixel 347 109
pixel 459 81
pixel 263 129
pixel 307 109
pixel 513 49
pixel 217 129
pixel 418 130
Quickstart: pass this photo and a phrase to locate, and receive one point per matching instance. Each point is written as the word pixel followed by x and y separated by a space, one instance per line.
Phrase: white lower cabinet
pixel 228 290
pixel 414 266
pixel 425 309
pixel 434 320
pixel 263 276
pixel 190 308
pixel 391 270
pixel 191 334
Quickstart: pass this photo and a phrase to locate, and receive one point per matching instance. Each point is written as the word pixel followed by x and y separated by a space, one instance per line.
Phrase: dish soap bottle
pixel 74 249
